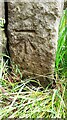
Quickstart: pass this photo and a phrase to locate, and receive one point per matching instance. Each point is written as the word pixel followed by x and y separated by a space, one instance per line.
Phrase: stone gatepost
pixel 33 34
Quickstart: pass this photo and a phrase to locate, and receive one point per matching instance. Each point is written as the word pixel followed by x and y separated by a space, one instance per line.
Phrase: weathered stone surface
pixel 33 34
pixel 2 34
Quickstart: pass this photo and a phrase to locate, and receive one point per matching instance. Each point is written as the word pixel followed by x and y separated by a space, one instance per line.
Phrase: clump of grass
pixel 61 54
pixel 20 100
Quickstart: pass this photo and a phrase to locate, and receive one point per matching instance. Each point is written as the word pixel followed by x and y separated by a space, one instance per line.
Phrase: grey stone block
pixel 33 34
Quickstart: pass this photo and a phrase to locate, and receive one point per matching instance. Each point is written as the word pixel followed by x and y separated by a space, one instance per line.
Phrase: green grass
pixel 19 99
pixel 61 54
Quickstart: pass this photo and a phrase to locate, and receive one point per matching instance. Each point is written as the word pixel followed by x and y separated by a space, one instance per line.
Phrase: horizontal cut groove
pixel 28 31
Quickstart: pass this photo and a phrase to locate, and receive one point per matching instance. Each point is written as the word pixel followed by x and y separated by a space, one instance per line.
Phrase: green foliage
pixel 18 99
pixel 61 54
pixel 2 22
